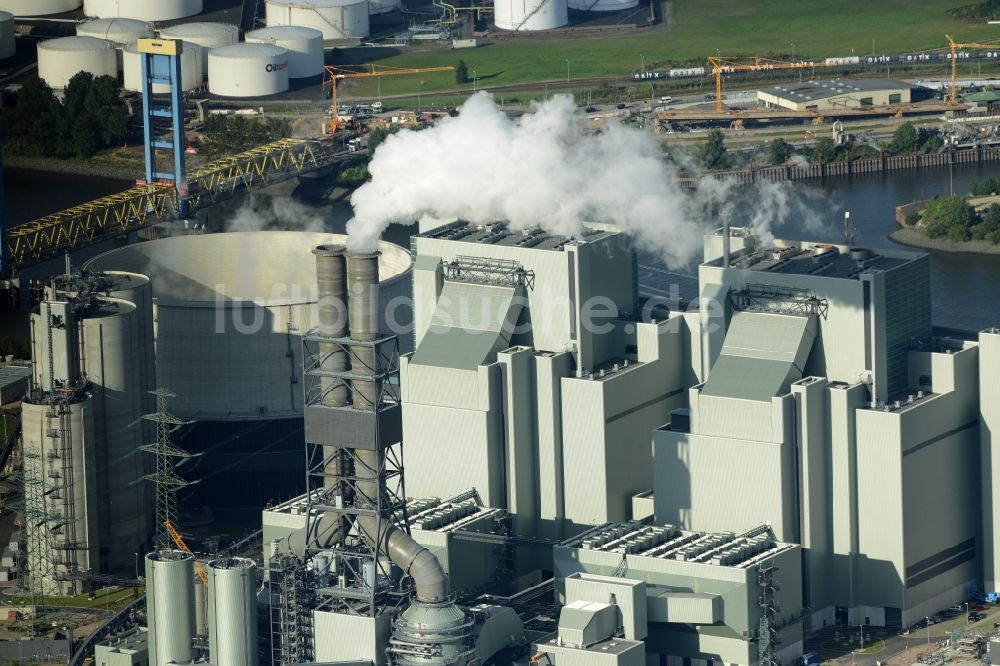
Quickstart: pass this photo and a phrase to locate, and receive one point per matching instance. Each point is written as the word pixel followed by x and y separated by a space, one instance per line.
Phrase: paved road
pixel 900 649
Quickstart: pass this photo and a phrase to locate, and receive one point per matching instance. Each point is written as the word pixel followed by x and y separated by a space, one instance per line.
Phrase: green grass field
pixel 698 29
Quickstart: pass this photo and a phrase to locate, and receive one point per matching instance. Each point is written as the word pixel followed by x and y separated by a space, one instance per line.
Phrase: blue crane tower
pixel 161 64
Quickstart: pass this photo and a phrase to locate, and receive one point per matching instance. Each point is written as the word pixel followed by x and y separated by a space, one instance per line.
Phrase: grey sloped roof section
pixel 762 355
pixel 471 323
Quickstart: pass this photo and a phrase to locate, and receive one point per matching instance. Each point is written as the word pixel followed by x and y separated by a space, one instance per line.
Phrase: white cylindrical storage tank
pixel 39 7
pixel 192 74
pixel 232 612
pixel 144 10
pixel 248 70
pixel 170 607
pixel 60 59
pixel 119 31
pixel 304 45
pixel 336 19
pixel 602 5
pixel 7 45
pixel 206 35
pixel 530 14
pixel 383 6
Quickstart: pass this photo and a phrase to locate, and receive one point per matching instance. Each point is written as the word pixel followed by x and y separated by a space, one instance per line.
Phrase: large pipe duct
pixel 363 311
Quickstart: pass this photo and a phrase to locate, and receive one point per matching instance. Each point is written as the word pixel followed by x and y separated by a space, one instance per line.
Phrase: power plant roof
pixel 499 233
pixel 823 260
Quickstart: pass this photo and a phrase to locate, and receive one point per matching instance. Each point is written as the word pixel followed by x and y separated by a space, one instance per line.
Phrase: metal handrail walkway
pixel 146 204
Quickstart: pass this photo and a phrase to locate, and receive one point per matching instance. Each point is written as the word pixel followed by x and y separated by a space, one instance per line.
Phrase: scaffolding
pixel 778 300
pixel 291 601
pixel 165 479
pixel 767 638
pixel 337 476
pixel 481 270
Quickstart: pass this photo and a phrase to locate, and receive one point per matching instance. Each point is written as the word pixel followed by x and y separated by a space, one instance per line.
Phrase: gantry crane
pixel 336 74
pixel 179 541
pixel 720 65
pixel 954 46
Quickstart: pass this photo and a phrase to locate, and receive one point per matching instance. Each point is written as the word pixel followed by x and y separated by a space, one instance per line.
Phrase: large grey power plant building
pixel 562 470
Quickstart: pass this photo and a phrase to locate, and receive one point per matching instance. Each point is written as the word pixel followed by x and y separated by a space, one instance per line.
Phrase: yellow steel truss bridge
pixel 144 205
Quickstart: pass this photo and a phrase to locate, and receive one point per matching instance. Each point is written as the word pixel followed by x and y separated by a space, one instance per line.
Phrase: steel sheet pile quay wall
pixel 232 612
pixel 204 34
pixel 248 70
pixel 336 19
pixel 530 14
pixel 230 312
pixel 145 10
pixel 192 70
pixel 38 7
pixel 170 607
pixel 304 45
pixel 7 44
pixel 60 59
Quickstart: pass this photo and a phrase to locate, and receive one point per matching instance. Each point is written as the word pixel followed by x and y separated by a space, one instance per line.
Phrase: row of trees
pixel 952 218
pixel 979 12
pixel 90 117
pixel 906 140
pixel 226 135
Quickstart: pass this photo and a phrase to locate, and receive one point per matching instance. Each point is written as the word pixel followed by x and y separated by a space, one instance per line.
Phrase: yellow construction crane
pixel 720 66
pixel 954 46
pixel 179 541
pixel 336 74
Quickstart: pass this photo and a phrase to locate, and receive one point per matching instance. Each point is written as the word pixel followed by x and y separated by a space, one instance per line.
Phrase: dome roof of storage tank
pixel 76 44
pixel 285 32
pixel 114 26
pixel 6 16
pixel 198 29
pixel 248 50
pixel 267 267
pixel 108 307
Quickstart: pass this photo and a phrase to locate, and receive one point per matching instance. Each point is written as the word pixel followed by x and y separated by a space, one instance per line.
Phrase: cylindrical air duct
pixel 363 313
pixel 232 612
pixel 170 607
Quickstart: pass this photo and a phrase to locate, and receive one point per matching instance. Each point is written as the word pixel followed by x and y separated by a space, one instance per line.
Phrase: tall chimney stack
pixel 363 315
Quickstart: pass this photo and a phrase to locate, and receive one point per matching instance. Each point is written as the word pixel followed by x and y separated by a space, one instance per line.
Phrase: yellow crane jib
pixel 720 65
pixel 954 46
pixel 179 542
pixel 335 74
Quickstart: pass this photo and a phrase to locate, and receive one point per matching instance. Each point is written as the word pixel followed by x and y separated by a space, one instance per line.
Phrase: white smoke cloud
pixel 546 170
pixel 276 213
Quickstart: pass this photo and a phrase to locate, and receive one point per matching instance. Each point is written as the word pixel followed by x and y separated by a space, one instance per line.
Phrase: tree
pixel 779 151
pixel 904 140
pixel 378 135
pixel 712 154
pixel 825 150
pixel 461 72
pixel 949 217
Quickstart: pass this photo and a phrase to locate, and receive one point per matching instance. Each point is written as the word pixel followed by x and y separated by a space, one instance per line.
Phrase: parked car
pixel 958 608
pixel 666 99
pixel 620 106
pixel 933 619
pixel 976 617
pixel 591 109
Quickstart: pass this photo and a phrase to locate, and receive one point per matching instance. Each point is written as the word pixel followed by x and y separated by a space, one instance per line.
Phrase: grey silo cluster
pixel 170 607
pixel 92 334
pixel 232 612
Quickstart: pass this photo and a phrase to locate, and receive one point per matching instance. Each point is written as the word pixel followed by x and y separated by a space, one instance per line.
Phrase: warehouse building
pixel 834 94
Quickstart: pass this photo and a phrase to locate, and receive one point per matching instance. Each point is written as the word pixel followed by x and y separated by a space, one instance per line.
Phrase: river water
pixel 965 286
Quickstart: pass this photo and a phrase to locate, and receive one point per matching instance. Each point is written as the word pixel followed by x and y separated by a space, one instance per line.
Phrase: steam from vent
pixel 277 213
pixel 543 170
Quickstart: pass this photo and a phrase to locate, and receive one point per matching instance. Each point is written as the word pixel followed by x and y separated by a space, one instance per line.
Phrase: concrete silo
pixel 170 607
pixel 232 612
pixel 86 341
pixel 230 311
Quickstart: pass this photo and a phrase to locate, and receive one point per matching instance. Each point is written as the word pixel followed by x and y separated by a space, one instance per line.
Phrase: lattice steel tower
pixel 168 456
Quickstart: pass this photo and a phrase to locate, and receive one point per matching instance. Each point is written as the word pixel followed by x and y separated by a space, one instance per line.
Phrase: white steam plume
pixel 541 170
pixel 260 213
